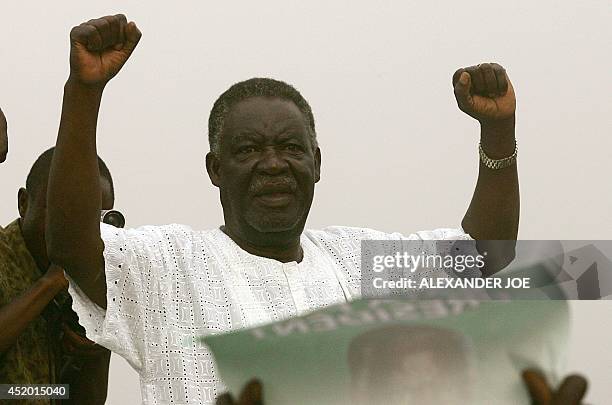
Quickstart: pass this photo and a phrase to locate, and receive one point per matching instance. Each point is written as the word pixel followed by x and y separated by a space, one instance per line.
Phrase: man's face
pixel 3 137
pixel 397 365
pixel 267 168
pixel 33 212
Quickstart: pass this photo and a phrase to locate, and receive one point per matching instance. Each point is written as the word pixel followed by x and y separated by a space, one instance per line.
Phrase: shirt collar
pixel 223 236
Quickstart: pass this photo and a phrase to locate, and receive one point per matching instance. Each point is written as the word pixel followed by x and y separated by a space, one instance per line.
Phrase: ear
pixel 22 202
pixel 212 167
pixel 317 165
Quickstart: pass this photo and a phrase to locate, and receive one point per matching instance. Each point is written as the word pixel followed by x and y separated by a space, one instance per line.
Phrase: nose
pixel 271 162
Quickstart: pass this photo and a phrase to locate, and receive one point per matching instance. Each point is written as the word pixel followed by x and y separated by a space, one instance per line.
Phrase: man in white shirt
pixel 147 293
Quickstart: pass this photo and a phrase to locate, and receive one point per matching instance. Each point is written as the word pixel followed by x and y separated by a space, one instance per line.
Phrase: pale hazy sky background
pixel 397 153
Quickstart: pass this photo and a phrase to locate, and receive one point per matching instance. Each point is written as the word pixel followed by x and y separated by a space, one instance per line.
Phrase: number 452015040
pixel 10 391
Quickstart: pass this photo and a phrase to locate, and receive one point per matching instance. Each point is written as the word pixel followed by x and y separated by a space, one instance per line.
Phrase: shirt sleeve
pixel 443 234
pixel 371 234
pixel 440 241
pixel 453 242
pixel 133 260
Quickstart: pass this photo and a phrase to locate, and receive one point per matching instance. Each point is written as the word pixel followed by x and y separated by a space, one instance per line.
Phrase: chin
pixel 273 223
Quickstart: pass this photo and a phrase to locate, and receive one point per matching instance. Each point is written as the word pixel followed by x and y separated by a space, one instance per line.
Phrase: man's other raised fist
pixel 100 47
pixel 484 92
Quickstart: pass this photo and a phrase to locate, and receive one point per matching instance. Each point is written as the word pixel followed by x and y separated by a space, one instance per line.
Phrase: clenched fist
pixel 484 92
pixel 100 47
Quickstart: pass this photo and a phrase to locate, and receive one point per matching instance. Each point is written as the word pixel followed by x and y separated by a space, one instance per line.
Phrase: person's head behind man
pixel 265 160
pixel 32 204
pixel 3 137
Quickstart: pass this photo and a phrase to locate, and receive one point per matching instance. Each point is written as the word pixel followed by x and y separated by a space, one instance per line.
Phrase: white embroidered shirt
pixel 169 285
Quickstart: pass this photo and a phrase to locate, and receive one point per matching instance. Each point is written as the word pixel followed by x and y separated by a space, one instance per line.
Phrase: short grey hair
pixel 255 87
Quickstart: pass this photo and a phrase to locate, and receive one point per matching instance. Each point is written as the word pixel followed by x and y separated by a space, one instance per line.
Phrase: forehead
pixel 264 115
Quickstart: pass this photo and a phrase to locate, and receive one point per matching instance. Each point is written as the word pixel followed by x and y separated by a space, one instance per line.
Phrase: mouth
pixel 273 192
pixel 275 199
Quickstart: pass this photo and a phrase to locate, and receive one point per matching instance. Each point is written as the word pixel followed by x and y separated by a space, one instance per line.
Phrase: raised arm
pixel 98 50
pixel 485 93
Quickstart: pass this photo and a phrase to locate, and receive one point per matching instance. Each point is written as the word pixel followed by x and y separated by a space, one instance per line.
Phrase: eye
pixel 246 149
pixel 294 148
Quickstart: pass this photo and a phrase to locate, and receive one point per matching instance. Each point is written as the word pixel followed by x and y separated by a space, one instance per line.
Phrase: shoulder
pixel 162 249
pixel 17 267
pixel 340 233
pixel 345 239
pixel 6 253
pixel 163 237
pixel 12 244
pixel 4 243
pixel 149 232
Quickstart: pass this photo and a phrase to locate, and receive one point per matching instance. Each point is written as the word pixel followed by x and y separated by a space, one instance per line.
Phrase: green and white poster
pixel 439 351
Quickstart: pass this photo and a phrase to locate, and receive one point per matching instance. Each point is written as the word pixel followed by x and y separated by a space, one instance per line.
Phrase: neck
pixel 276 246
pixel 39 258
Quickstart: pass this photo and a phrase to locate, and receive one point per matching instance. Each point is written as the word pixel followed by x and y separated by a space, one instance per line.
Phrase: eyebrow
pixel 291 124
pixel 247 135
pixel 288 135
pixel 290 131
